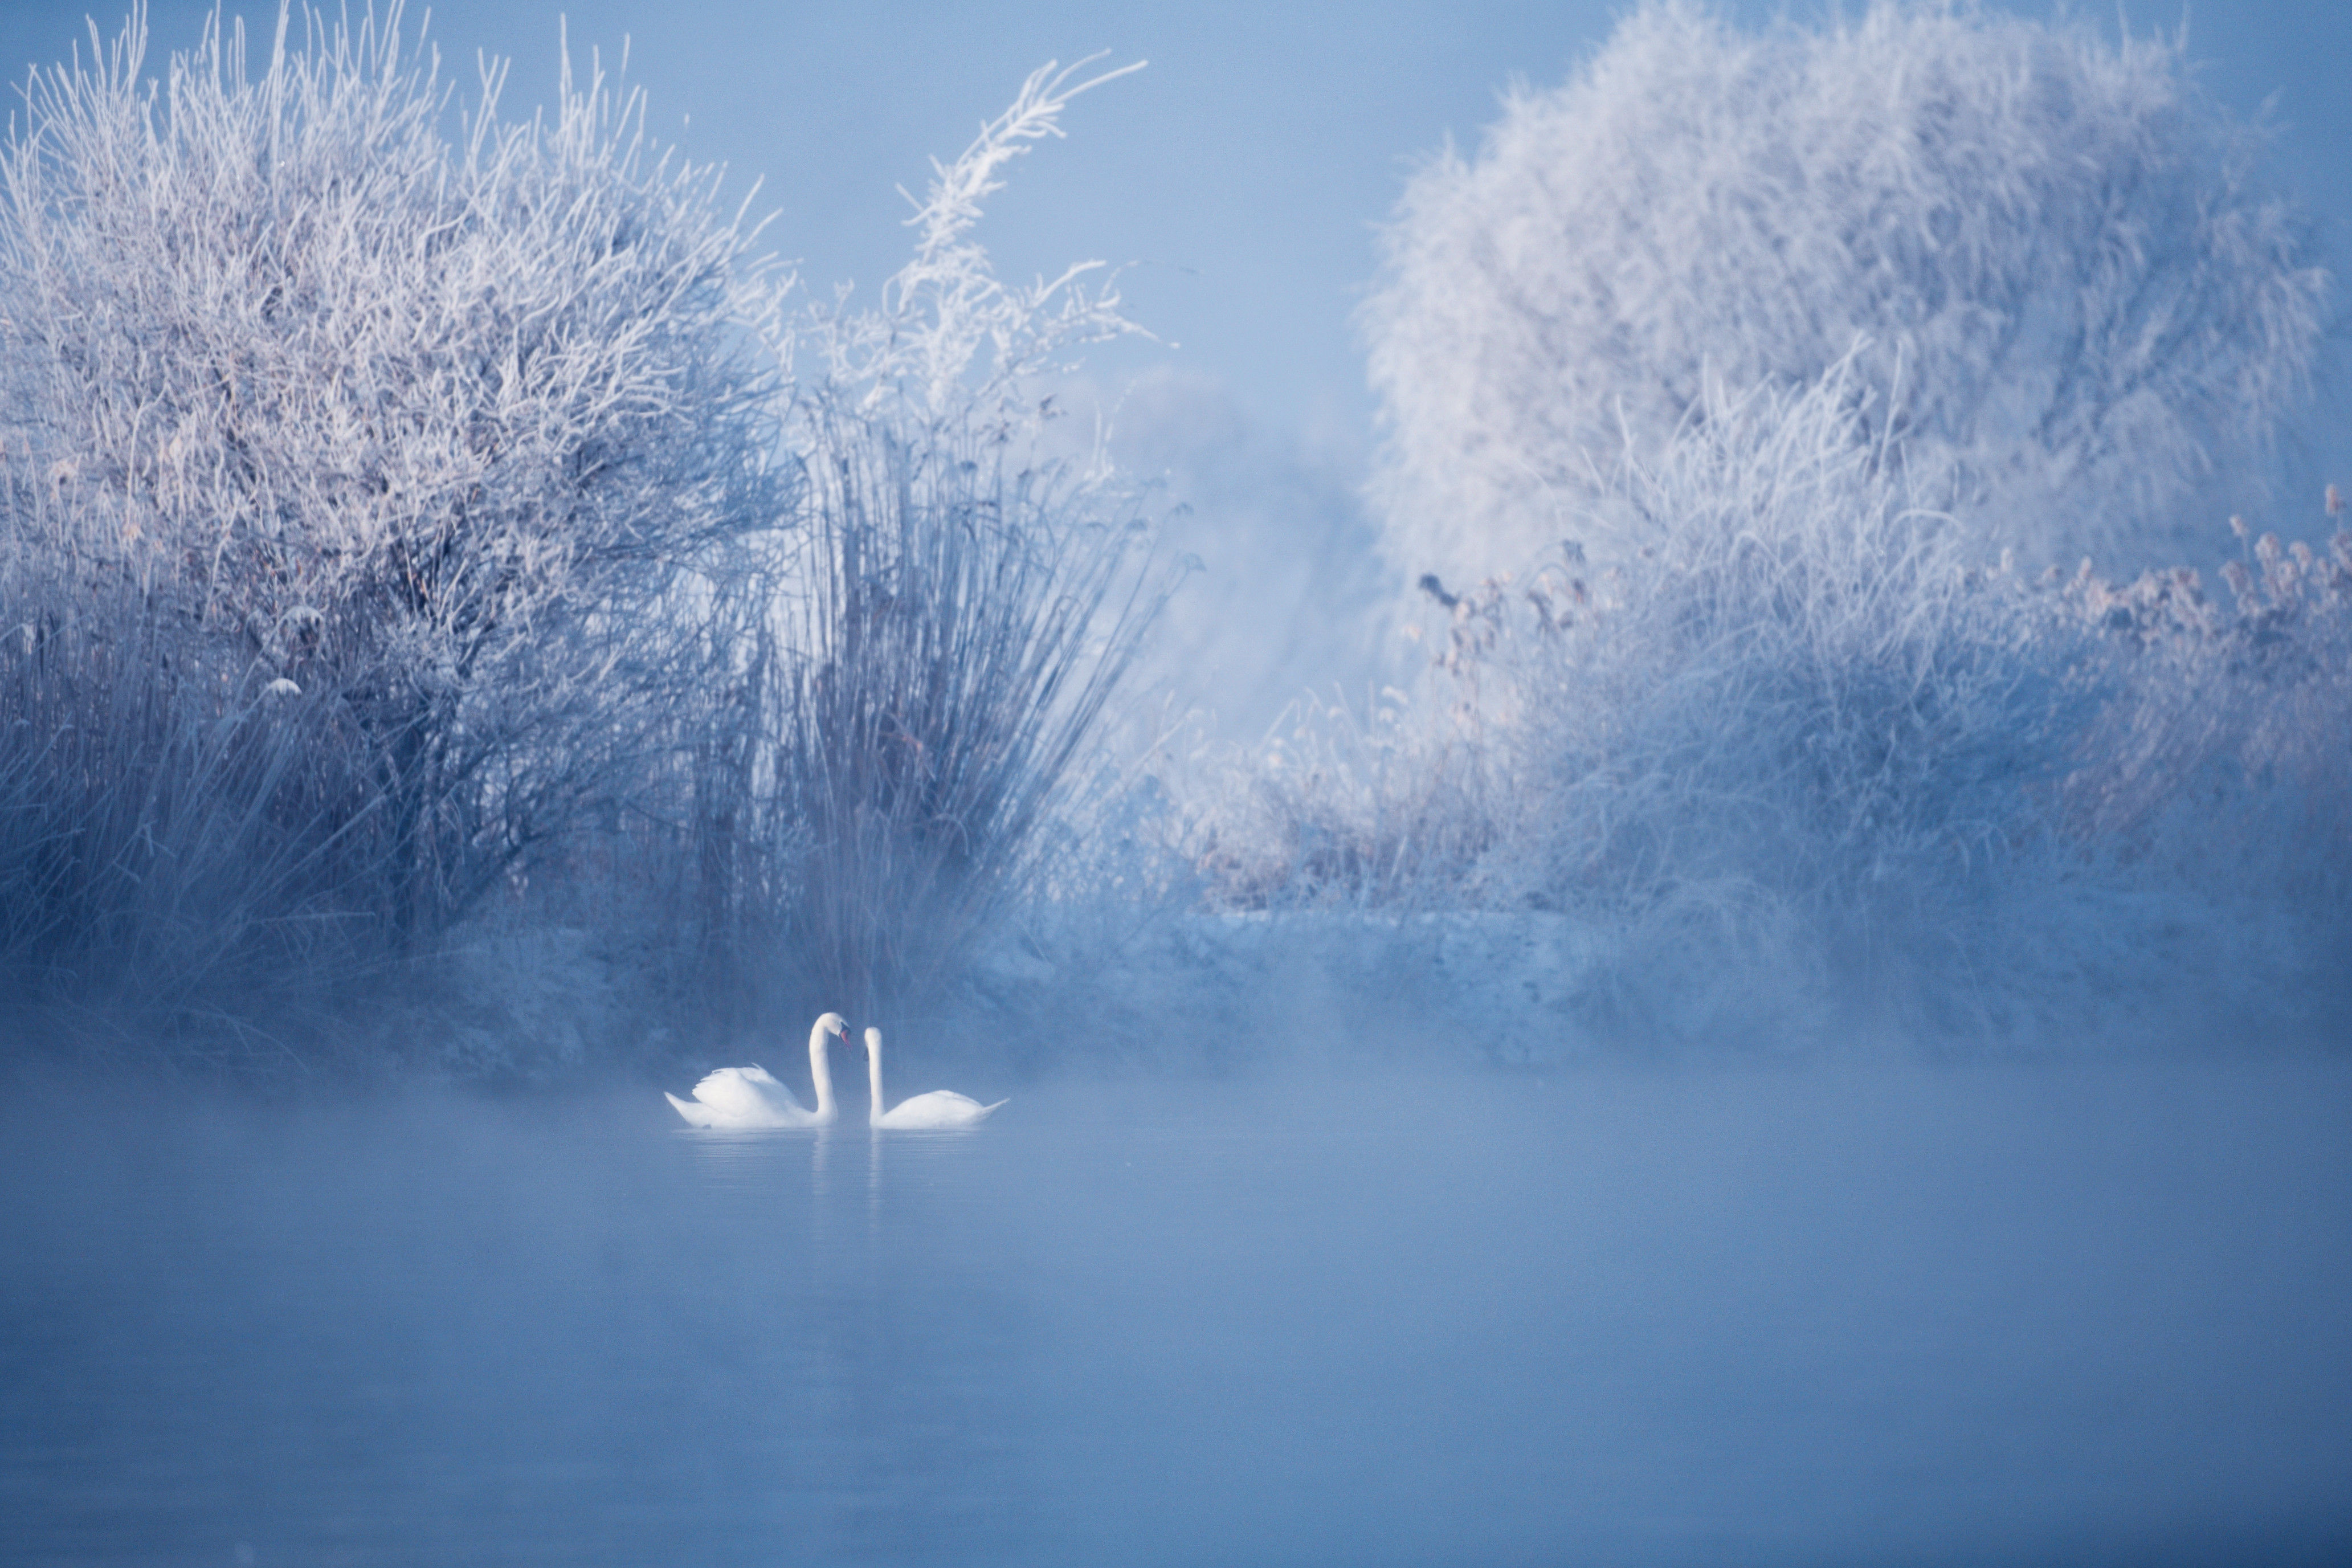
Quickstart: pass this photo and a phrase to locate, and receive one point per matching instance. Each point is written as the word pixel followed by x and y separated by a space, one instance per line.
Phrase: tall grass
pixel 907 670
pixel 187 841
pixel 958 629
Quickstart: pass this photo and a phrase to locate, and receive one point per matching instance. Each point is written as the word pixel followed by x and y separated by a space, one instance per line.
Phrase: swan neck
pixel 820 1069
pixel 873 1080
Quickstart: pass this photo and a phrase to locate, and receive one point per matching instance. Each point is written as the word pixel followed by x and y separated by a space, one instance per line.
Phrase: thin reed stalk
pixel 954 629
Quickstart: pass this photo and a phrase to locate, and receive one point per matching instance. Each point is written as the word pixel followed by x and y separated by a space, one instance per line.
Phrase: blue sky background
pixel 1240 176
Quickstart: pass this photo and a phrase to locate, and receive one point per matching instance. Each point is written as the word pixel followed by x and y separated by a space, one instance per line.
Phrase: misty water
pixel 1789 1314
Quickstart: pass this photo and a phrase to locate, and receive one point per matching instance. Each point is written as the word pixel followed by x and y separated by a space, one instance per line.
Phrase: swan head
pixel 833 1024
pixel 873 1040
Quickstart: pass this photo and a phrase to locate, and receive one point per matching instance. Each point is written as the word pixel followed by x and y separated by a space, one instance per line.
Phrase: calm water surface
pixel 2016 1314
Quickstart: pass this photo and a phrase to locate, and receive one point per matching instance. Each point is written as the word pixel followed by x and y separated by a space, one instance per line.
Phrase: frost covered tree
pixel 415 429
pixel 2044 255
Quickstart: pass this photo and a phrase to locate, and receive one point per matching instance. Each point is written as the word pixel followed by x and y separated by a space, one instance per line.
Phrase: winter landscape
pixel 1707 923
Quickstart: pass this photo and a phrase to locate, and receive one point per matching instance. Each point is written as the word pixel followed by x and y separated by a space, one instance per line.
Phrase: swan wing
pixel 696 1114
pixel 748 1097
pixel 940 1108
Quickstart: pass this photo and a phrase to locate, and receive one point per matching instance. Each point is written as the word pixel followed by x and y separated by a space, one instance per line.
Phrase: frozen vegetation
pixel 2046 255
pixel 466 611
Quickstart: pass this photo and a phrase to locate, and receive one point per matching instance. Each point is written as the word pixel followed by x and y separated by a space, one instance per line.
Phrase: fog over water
pixel 2020 1312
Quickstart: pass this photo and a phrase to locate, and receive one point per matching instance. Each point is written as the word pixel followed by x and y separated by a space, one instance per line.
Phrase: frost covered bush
pixel 2226 759
pixel 1807 762
pixel 1802 722
pixel 2046 255
pixel 1381 812
pixel 1799 339
pixel 924 650
pixel 348 472
pixel 1792 756
pixel 415 432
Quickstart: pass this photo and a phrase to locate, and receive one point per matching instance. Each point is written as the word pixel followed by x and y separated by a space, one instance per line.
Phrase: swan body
pixel 749 1097
pixel 940 1108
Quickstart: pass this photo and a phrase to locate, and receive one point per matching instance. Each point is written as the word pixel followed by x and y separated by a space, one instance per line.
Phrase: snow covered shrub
pixel 1798 726
pixel 2045 253
pixel 423 429
pixel 1389 812
pixel 929 644
pixel 2225 759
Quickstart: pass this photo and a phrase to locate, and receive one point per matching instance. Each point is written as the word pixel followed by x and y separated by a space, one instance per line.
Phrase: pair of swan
pixel 748 1097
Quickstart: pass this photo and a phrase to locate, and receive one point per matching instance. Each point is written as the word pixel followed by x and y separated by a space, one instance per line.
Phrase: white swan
pixel 940 1108
pixel 748 1096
